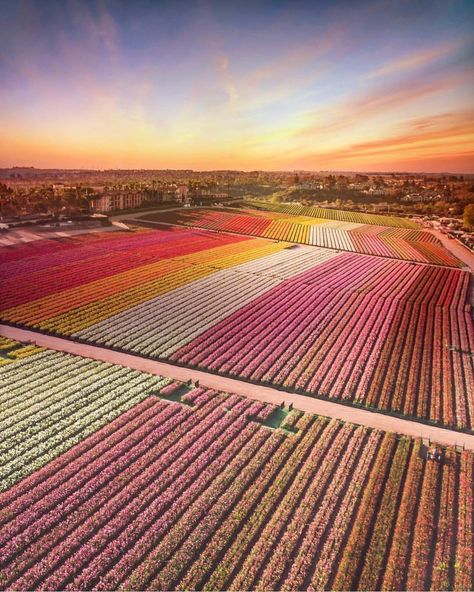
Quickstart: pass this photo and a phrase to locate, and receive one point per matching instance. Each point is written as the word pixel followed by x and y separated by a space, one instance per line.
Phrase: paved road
pixel 456 248
pixel 142 213
pixel 17 236
pixel 260 393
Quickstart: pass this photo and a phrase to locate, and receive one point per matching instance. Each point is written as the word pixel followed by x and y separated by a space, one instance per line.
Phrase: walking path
pixel 261 393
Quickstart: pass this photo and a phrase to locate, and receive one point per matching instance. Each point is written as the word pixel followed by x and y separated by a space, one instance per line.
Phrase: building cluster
pixel 26 190
pixel 118 199
pixel 403 188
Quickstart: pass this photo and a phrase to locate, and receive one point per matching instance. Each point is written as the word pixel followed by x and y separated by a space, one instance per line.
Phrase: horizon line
pixel 311 171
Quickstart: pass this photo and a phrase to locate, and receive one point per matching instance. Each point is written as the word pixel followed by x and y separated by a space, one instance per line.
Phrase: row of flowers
pixel 161 325
pixel 445 527
pixel 258 500
pixel 423 543
pixel 74 309
pixel 53 400
pixel 37 527
pixel 399 243
pixel 36 486
pixel 168 496
pixel 288 521
pixel 464 572
pixel 340 215
pixel 374 561
pixel 201 518
pixel 131 533
pixel 86 263
pixel 350 562
pixel 24 261
pixel 349 474
pixel 396 567
pixel 366 346
pixel 97 448
pixel 139 457
pixel 244 534
pixel 118 458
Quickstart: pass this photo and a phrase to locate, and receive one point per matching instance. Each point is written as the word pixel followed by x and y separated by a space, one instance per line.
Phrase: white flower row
pixel 31 417
pixel 61 411
pixel 159 326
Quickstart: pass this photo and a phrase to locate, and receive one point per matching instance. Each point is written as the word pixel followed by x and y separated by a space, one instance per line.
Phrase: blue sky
pixel 271 85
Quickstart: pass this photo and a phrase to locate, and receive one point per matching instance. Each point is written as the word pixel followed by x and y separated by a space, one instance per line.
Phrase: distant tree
pixel 295 180
pixel 8 208
pixel 39 208
pixel 277 197
pixel 468 217
pixel 70 200
pixel 55 204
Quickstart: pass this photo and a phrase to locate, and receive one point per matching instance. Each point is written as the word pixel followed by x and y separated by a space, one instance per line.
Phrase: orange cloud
pixel 412 61
pixel 448 135
pixel 375 102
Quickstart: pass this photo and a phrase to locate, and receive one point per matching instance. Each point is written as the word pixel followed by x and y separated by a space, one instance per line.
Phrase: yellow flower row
pixel 75 309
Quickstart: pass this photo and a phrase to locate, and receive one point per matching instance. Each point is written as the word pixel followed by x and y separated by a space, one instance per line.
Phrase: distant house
pixel 60 188
pixel 182 194
pixel 117 200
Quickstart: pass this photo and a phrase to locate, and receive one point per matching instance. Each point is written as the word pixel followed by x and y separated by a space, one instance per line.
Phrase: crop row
pixel 162 325
pixel 332 214
pixel 398 243
pixel 409 353
pixel 168 496
pixel 77 307
pixel 40 275
pixel 50 401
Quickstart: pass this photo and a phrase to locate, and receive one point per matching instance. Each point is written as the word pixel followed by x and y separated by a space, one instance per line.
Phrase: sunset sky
pixel 383 85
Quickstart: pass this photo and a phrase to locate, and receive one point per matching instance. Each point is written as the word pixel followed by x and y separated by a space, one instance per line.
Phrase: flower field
pixel 331 214
pixel 50 401
pixel 373 331
pixel 55 299
pixel 175 487
pixel 407 243
pixel 383 333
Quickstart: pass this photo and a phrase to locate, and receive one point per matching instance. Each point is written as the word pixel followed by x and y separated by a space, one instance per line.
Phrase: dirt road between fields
pixel 261 393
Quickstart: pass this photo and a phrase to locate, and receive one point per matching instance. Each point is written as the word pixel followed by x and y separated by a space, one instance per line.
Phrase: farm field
pixel 333 214
pixel 368 238
pixel 50 401
pixel 371 331
pixel 181 487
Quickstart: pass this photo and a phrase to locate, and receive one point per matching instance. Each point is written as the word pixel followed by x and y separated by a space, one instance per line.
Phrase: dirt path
pixel 261 393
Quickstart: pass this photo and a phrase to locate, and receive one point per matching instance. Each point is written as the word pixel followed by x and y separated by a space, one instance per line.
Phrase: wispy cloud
pixel 382 99
pixel 203 83
pixel 412 61
pixel 419 139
